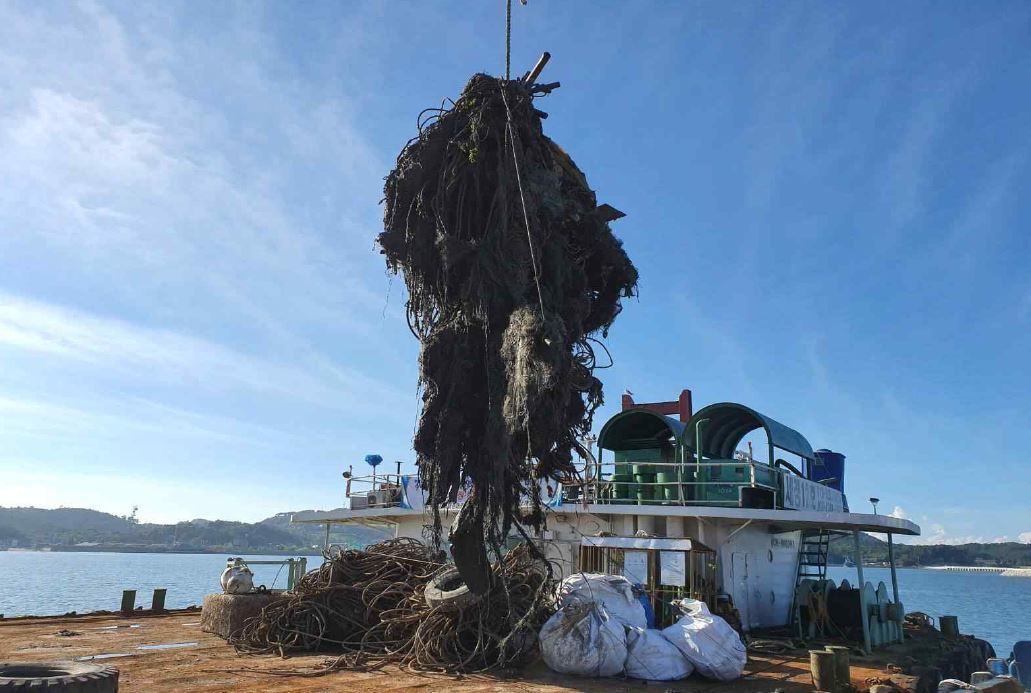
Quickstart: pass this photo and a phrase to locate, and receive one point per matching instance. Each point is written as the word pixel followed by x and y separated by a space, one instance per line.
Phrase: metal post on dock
pixel 863 608
pixel 157 602
pixel 128 602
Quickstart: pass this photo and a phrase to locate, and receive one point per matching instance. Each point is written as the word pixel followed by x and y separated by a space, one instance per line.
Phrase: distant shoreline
pixel 153 549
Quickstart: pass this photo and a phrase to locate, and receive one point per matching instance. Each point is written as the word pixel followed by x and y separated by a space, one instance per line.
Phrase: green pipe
pixel 698 428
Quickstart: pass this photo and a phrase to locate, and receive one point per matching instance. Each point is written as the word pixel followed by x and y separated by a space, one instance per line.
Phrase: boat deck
pixel 169 652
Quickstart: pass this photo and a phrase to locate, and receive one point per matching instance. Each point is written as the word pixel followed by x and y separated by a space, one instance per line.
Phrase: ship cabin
pixel 724 504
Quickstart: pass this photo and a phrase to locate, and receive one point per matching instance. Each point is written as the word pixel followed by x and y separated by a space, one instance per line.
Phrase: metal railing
pixel 715 482
pixel 295 568
pixel 711 482
pixel 374 491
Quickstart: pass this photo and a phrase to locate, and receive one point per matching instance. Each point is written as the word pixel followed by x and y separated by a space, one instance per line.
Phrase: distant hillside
pixel 1009 555
pixel 315 535
pixel 77 529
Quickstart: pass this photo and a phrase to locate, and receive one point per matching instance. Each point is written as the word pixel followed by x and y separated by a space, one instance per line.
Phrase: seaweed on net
pixel 512 272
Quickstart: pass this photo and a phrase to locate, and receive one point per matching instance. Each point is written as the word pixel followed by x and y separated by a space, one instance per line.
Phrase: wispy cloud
pixel 164 355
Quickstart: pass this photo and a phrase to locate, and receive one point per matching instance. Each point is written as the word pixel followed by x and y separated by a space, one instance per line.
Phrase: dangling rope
pixel 522 195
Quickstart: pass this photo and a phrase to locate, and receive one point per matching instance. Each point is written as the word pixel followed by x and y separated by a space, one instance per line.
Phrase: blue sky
pixel 828 204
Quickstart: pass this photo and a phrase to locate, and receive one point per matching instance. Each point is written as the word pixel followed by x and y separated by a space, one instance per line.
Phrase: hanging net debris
pixel 512 274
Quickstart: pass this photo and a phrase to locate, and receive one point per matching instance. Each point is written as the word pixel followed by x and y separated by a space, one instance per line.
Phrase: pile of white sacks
pixel 600 629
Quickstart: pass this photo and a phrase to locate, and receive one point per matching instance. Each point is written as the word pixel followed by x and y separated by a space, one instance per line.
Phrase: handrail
pixel 693 482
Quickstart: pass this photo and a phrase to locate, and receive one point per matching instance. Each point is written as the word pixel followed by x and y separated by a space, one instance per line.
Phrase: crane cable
pixel 508 39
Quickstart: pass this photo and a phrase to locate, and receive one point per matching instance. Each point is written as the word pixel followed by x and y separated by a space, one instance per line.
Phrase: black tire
pixel 448 589
pixel 66 677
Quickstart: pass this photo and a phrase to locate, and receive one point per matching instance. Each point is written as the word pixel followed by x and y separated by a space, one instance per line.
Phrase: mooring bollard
pixel 157 603
pixel 980 677
pixel 997 665
pixel 949 626
pixel 842 666
pixel 821 666
pixel 128 602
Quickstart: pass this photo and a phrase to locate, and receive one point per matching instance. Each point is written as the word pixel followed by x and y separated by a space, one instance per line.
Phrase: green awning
pixel 729 422
pixel 634 429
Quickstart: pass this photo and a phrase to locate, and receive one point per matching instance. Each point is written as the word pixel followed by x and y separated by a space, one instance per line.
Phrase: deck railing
pixel 374 491
pixel 709 483
pixel 646 482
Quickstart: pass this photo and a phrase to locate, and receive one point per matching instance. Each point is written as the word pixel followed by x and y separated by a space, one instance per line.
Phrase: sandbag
pixel 711 645
pixel 581 639
pixel 650 656
pixel 614 592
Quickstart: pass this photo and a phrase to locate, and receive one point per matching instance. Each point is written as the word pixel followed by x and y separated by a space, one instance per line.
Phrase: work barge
pixel 669 502
pixel 672 501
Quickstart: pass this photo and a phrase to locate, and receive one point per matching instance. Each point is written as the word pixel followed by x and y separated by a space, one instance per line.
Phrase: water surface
pixel 51 582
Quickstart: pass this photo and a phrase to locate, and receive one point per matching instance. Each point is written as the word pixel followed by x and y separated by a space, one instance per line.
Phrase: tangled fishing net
pixel 512 272
pixel 371 607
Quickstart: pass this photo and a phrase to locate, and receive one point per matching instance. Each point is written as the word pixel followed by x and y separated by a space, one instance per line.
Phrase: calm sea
pixel 992 607
pixel 50 582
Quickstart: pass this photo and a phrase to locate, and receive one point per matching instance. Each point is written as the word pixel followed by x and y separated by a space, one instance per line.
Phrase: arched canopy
pixel 634 429
pixel 729 422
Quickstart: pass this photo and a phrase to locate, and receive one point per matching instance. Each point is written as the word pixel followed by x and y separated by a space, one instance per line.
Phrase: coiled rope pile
pixel 370 607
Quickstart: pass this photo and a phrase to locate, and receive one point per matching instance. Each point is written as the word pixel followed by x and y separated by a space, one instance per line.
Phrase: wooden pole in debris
pixel 128 602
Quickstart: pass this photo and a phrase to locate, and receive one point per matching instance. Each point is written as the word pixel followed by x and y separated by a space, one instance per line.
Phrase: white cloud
pixel 899 513
pixel 155 354
pixel 936 533
pixel 1024 537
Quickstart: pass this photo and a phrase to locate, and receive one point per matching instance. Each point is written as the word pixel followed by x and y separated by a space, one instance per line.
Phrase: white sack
pixel 613 592
pixel 708 642
pixel 583 640
pixel 652 657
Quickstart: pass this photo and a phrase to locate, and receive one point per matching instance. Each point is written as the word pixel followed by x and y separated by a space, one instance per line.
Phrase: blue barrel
pixel 829 465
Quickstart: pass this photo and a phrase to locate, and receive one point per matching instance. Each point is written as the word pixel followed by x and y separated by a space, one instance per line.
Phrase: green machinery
pixel 648 459
pixel 655 459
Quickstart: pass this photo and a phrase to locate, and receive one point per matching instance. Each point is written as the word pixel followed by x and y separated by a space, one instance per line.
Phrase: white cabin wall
pixel 758 570
pixel 562 540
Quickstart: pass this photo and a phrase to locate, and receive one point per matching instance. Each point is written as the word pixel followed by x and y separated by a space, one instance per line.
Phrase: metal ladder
pixel 812 565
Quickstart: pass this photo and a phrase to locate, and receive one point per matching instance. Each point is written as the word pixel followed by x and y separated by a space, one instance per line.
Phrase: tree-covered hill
pixel 875 550
pixel 84 529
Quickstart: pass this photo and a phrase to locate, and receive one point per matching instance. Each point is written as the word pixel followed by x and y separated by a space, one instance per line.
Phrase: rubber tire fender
pixel 63 676
pixel 448 588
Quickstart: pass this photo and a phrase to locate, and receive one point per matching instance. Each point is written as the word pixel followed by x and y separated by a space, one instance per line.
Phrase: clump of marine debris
pixel 513 275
